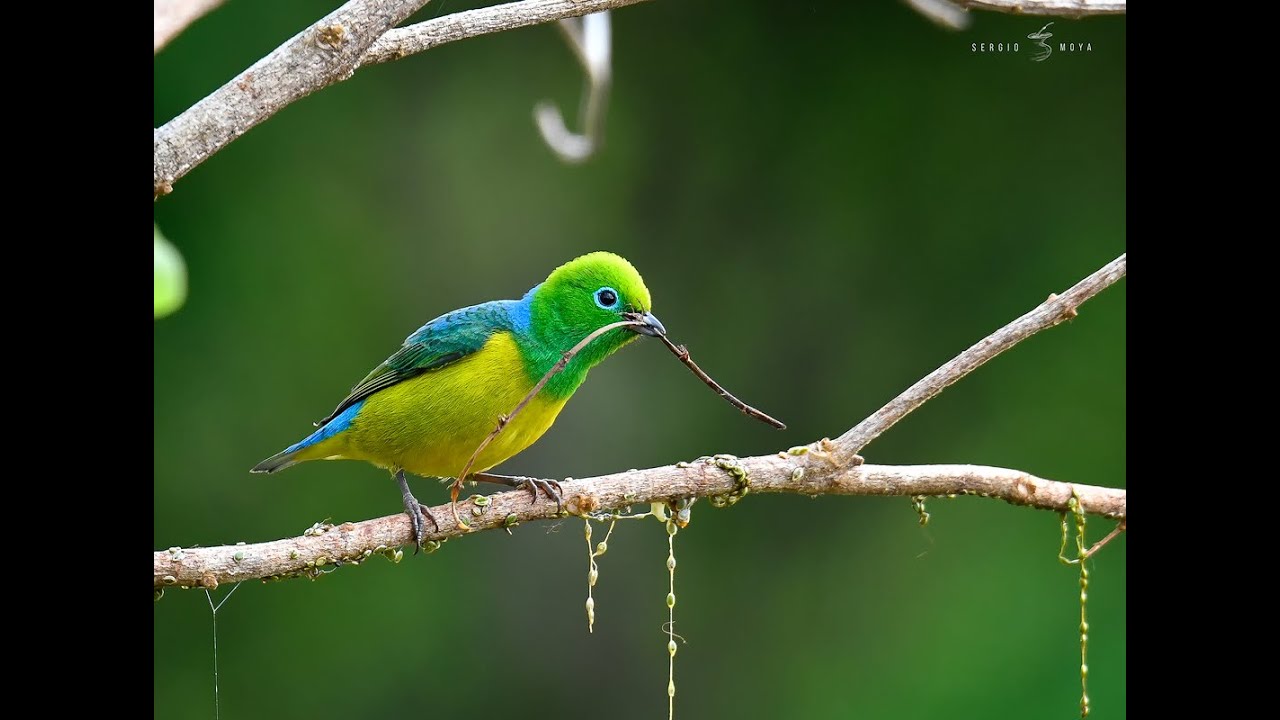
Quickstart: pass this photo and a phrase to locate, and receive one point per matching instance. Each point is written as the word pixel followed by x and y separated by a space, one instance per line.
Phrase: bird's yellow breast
pixel 431 424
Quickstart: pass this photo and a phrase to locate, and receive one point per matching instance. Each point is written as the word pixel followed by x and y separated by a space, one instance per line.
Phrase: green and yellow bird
pixel 427 408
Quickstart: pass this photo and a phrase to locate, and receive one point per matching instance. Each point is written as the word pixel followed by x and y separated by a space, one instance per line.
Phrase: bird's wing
pixel 442 341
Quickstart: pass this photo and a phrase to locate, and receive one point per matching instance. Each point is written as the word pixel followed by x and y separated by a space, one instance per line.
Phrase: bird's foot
pixel 550 488
pixel 417 512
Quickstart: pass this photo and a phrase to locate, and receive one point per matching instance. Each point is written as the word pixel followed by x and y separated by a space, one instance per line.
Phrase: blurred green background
pixel 826 200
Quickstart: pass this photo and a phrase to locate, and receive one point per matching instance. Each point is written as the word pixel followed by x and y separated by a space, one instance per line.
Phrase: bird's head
pixel 588 293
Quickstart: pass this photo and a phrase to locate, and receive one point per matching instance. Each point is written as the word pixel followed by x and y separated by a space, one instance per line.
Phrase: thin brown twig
pixel 504 420
pixel 1121 527
pixel 682 354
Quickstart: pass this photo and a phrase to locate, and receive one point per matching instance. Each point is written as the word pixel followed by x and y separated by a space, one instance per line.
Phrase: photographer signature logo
pixel 1040 49
pixel 1040 36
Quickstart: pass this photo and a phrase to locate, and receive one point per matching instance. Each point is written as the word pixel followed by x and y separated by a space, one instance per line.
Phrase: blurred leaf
pixel 171 277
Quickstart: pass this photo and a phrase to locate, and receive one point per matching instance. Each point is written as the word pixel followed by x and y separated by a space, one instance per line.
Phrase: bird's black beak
pixel 651 327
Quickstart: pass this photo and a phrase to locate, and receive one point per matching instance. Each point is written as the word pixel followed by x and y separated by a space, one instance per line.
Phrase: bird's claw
pixel 417 512
pixel 420 515
pixel 550 488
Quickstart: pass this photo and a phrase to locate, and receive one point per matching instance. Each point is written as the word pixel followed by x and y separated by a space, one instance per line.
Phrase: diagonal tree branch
pixel 329 52
pixel 319 56
pixel 1049 313
pixel 822 468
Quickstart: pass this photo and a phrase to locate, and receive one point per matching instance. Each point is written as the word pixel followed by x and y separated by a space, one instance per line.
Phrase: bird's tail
pixel 281 460
pixel 319 444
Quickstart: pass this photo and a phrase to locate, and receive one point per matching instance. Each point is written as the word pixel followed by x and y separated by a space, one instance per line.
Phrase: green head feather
pixel 579 297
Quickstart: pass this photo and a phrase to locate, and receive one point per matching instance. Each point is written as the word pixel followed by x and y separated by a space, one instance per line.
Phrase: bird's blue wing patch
pixel 340 422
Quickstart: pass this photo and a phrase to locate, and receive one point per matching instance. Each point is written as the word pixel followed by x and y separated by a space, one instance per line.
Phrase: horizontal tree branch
pixel 813 473
pixel 822 468
pixel 422 36
pixel 328 52
pixel 1055 8
pixel 954 14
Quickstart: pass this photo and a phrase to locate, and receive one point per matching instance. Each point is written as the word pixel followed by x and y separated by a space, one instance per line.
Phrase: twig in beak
pixel 682 354
pixel 504 420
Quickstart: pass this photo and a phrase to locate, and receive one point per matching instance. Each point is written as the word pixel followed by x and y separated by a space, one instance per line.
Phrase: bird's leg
pixel 550 488
pixel 418 513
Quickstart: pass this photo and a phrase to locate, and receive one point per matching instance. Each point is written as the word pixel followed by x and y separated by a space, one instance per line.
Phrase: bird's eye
pixel 607 298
